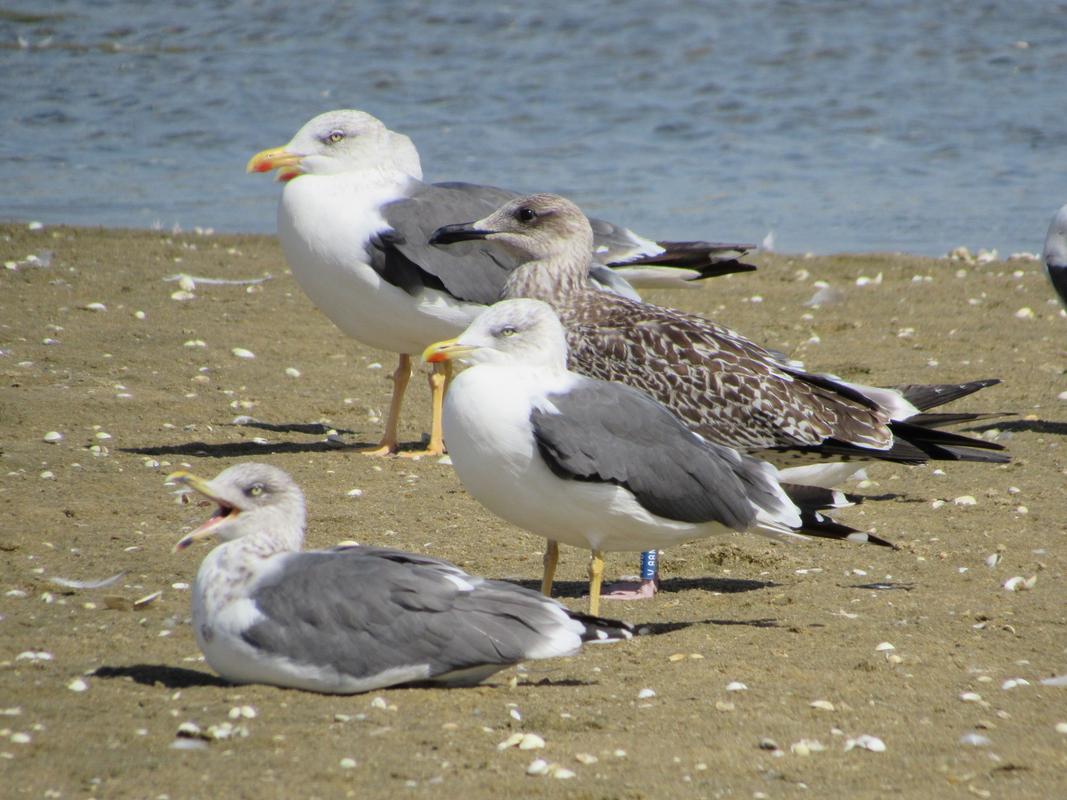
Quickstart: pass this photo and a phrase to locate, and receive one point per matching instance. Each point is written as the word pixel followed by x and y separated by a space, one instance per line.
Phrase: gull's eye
pixel 255 490
pixel 508 331
pixel 335 137
pixel 525 214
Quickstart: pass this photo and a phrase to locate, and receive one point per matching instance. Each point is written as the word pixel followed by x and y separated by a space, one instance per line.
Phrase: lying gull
pixel 354 222
pixel 353 618
pixel 723 386
pixel 1055 253
pixel 592 463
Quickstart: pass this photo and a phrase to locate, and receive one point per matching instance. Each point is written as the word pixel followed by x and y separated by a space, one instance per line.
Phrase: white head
pixel 537 227
pixel 252 499
pixel 341 141
pixel 526 332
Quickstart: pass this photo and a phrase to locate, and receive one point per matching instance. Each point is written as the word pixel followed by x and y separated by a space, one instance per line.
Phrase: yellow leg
pixel 440 378
pixel 390 442
pixel 551 559
pixel 596 577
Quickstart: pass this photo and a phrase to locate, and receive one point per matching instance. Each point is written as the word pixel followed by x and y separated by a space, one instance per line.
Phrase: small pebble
pixel 971 697
pixel 537 767
pixel 511 741
pixel 589 758
pixel 78 685
pixel 884 646
pixel 1018 583
pixel 644 694
pixel 736 686
pixel 348 763
pixel 182 295
pixel 823 705
pixel 1061 727
pixel 975 740
pixel 292 372
pixel 1024 313
pixel 866 742
pixel 20 738
pixel 96 307
pixel 241 352
pixel 139 315
pixel 531 741
pixel 965 500
pixel 53 436
pixel 355 493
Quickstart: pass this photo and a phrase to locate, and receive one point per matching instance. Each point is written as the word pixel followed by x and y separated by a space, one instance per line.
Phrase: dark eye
pixel 525 214
pixel 335 137
pixel 508 331
pixel 255 490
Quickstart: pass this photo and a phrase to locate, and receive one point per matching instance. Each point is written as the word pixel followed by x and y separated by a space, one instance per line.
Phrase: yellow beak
pixel 287 164
pixel 445 350
pixel 198 484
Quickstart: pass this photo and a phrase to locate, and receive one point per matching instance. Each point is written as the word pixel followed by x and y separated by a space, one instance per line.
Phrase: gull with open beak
pixel 353 618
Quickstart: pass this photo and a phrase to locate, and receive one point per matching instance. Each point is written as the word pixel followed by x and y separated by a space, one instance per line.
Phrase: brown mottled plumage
pixel 725 387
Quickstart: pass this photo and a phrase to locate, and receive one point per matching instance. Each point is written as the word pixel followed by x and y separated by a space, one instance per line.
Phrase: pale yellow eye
pixel 255 490
pixel 335 137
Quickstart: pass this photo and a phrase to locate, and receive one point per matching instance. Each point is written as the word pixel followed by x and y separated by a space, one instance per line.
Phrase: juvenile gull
pixel 1054 254
pixel 355 224
pixel 591 463
pixel 723 386
pixel 353 619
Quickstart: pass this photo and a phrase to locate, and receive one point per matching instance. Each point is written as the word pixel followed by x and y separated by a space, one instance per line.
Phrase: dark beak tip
pixel 448 234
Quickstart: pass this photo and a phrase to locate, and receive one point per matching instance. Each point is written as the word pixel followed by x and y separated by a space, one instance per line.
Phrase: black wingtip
pixel 926 396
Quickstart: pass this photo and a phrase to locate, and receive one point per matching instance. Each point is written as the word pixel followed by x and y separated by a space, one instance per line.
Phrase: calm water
pixel 909 125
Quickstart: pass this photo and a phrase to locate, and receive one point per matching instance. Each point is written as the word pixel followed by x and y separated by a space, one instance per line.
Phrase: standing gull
pixel 1054 254
pixel 591 463
pixel 723 386
pixel 354 222
pixel 353 619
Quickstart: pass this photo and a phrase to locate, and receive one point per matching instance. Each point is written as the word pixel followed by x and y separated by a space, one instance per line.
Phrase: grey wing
pixel 365 611
pixel 611 433
pixel 470 271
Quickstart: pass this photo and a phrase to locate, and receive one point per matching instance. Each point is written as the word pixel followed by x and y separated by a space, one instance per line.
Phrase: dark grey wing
pixel 471 271
pixel 364 611
pixel 611 433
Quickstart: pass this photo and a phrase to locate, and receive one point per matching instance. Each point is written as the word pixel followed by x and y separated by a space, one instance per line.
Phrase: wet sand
pixel 794 624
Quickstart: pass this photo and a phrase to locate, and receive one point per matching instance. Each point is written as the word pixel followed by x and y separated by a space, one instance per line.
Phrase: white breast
pixel 490 441
pixel 324 224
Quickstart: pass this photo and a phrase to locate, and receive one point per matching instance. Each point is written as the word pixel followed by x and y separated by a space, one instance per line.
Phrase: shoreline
pixel 795 624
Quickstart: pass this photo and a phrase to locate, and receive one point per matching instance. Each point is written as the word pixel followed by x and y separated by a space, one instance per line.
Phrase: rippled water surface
pixel 911 125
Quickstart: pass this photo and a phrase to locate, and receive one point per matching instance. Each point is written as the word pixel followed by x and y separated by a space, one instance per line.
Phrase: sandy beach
pixel 819 670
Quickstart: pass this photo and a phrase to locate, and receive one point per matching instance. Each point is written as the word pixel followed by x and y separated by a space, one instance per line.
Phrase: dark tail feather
pixel 939 419
pixel 602 630
pixel 813 500
pixel 947 446
pixel 817 498
pixel 925 396
pixel 710 259
pixel 817 524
